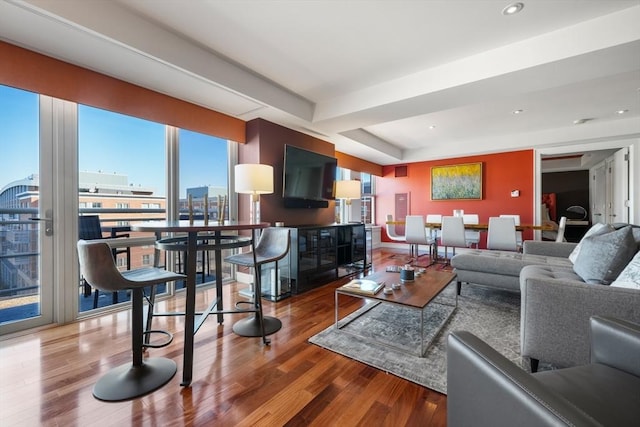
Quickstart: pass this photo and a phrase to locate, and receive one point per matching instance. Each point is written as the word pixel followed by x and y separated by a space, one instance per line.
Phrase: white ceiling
pixel 371 77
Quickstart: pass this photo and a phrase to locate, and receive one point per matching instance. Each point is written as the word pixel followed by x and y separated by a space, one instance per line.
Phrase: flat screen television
pixel 309 178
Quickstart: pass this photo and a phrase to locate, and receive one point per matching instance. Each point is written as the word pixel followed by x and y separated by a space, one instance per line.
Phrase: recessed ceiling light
pixel 581 121
pixel 432 127
pixel 518 111
pixel 512 9
pixel 622 111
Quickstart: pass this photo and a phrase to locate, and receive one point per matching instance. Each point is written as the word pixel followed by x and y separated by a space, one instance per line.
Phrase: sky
pixel 111 143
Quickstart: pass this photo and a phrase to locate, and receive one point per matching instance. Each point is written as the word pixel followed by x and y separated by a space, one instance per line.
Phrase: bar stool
pixel 141 376
pixel 273 246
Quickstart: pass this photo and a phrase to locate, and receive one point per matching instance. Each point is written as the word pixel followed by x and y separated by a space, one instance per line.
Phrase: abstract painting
pixel 457 182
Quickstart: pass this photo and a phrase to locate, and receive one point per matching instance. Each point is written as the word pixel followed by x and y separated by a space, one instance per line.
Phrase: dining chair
pixel 273 245
pixel 143 375
pixel 416 235
pixel 472 236
pixel 391 230
pixel 90 228
pixel 452 234
pixel 502 234
pixel 516 219
pixel 561 227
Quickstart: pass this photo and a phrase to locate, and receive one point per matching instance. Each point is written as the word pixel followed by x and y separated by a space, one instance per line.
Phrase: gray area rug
pixel 492 315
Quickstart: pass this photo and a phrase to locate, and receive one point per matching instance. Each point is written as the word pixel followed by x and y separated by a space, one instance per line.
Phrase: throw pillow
pixel 603 256
pixel 597 228
pixel 630 276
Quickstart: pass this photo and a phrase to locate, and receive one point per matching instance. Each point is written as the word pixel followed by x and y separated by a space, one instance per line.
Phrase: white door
pixel 26 213
pixel 598 193
pixel 619 189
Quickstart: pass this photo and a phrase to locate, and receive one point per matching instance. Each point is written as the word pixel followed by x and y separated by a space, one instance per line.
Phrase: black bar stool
pixel 141 376
pixel 273 246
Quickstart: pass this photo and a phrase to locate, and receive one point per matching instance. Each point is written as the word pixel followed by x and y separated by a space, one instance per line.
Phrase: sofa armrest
pixel 554 317
pixel 486 389
pixel 616 343
pixel 555 249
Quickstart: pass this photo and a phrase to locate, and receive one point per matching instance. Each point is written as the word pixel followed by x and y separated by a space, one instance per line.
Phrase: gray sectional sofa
pixel 501 269
pixel 556 301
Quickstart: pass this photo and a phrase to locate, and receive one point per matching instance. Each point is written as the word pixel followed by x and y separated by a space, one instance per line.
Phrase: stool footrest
pixel 168 334
pixel 243 302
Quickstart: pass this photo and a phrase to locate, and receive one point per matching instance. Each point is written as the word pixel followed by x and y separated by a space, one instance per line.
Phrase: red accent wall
pixel 502 173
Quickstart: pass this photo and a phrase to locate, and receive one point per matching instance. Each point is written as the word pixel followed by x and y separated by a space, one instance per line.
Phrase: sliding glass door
pixel 26 214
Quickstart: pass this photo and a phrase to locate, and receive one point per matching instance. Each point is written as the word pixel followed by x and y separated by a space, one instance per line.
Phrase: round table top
pixel 199 225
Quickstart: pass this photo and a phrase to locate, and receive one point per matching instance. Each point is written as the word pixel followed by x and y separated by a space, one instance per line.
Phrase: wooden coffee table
pixel 415 295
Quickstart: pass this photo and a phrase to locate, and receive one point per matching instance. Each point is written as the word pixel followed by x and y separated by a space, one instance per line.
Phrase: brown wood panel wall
pixel 265 144
pixel 356 164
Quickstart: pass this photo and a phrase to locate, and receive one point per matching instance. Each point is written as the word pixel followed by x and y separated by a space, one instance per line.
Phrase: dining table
pixel 482 227
pixel 200 235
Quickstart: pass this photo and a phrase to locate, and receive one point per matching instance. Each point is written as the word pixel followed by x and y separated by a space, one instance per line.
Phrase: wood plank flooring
pixel 47 376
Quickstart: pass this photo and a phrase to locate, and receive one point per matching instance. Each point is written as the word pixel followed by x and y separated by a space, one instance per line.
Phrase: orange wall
pixel 502 173
pixel 24 69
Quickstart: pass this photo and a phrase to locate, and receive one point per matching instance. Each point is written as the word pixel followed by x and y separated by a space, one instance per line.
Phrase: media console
pixel 320 254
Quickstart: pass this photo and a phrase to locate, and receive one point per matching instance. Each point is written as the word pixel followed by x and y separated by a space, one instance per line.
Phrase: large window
pixel 364 207
pixel 204 178
pixel 20 296
pixel 122 172
pixel 122 166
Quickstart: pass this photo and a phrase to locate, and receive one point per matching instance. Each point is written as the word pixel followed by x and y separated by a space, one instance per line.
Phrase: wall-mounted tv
pixel 309 178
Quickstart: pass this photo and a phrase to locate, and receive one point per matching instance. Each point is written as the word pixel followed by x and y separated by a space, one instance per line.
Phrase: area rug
pixel 492 315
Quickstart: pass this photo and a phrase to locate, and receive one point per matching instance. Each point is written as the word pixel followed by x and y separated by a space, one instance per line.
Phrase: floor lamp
pixel 253 179
pixel 347 190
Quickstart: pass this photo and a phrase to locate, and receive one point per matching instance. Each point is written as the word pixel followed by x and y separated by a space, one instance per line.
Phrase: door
pixel 599 194
pixel 26 214
pixel 619 186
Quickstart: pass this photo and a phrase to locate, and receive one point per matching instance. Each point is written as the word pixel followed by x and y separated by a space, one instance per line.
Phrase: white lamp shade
pixel 254 179
pixel 348 189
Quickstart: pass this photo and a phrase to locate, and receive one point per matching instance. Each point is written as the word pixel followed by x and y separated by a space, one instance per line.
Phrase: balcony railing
pixel 19 248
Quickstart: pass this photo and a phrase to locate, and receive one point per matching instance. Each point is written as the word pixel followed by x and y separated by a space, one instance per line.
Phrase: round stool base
pixel 250 327
pixel 127 381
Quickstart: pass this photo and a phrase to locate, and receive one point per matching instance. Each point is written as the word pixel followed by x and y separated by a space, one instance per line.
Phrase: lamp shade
pixel 348 189
pixel 254 178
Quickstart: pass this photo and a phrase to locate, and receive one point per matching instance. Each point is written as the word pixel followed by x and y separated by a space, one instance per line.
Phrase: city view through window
pixel 122 177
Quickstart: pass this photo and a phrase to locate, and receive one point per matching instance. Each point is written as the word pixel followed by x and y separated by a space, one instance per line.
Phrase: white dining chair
pixel 452 234
pixel 416 235
pixel 472 236
pixel 391 230
pixel 502 234
pixel 516 219
pixel 561 227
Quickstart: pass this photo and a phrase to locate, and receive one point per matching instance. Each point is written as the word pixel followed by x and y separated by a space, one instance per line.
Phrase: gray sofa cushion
pixel 502 262
pixel 603 256
pixel 545 272
pixel 605 393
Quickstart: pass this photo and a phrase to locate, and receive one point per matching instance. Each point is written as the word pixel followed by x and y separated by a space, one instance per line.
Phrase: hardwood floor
pixel 47 376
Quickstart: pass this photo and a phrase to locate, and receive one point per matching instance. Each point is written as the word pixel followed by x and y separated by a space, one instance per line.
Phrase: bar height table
pixel 216 231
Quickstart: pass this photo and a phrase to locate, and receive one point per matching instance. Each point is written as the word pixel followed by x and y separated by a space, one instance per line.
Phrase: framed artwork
pixel 457 182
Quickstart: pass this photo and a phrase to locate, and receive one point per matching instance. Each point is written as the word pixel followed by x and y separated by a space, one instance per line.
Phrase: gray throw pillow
pixel 597 228
pixel 603 256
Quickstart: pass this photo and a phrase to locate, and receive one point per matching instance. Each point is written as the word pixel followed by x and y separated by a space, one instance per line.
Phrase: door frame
pixel 632 143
